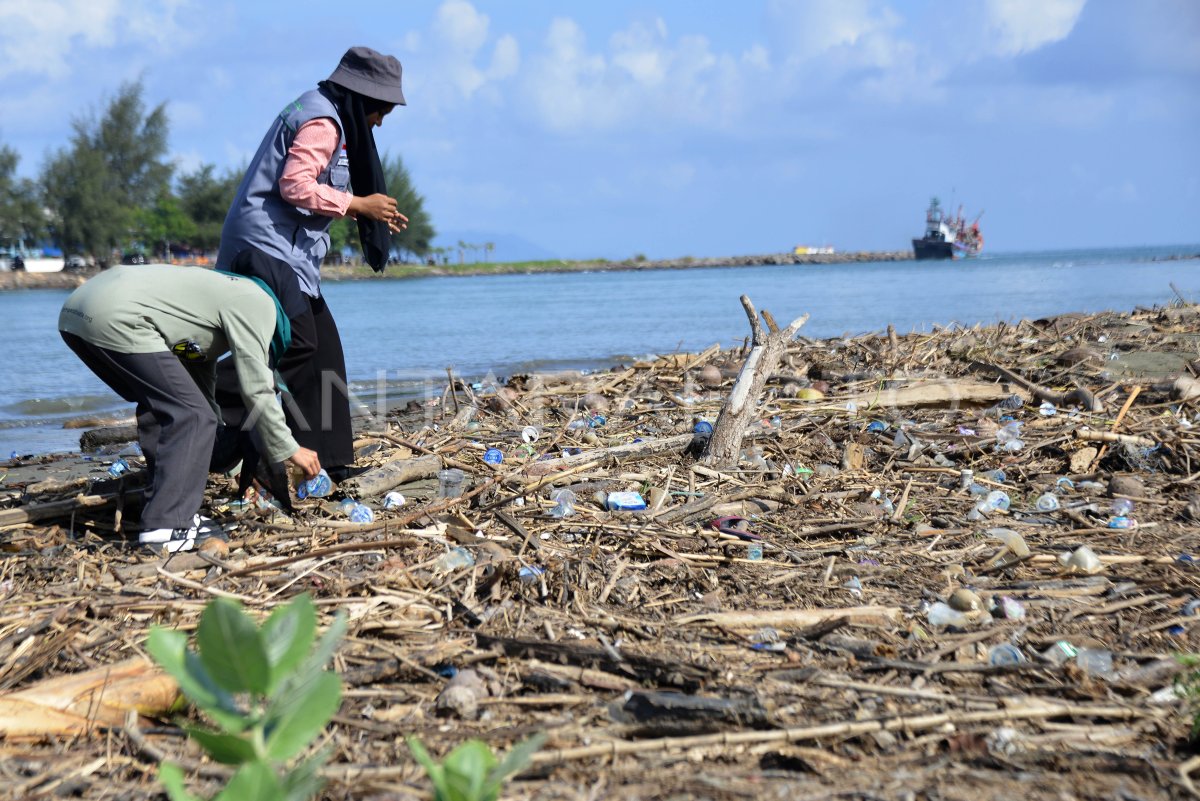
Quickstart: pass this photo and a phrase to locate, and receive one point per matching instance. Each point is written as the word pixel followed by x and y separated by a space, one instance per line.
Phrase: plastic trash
pixel 564 503
pixel 1009 432
pixel 702 427
pixel 450 482
pixel 529 575
pixel 624 501
pixel 1047 502
pixel 767 639
pixel 1191 606
pixel 1121 521
pixel 994 475
pixel 998 499
pixel 1013 542
pixel 941 614
pixel 854 585
pixel 877 425
pixel 1064 483
pixel 1047 409
pixel 1083 560
pixel 493 456
pixel 118 468
pixel 393 500
pixel 1059 653
pixel 319 486
pixel 1122 507
pixel 453 560
pixel 597 420
pixel 1005 654
pixel 1095 661
pixel 754 552
pixel 966 478
pixel 1009 608
pixel 357 512
pixel 530 434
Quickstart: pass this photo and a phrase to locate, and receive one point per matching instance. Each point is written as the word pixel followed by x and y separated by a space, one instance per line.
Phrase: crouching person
pixel 153 333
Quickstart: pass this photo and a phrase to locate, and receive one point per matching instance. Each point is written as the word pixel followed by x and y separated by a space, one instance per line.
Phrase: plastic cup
pixel 450 482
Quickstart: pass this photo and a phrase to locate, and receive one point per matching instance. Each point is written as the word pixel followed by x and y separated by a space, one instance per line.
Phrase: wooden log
pixel 794 617
pixel 632 450
pixel 947 392
pixel 385 477
pixel 48 511
pixel 109 435
pixel 741 406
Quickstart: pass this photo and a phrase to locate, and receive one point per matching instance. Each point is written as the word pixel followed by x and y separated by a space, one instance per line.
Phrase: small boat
pixel 33 260
pixel 948 236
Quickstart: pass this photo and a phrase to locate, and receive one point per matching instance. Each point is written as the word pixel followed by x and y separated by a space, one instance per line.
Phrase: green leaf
pixel 294 719
pixel 231 648
pixel 437 776
pixel 517 758
pixel 169 649
pixel 171 778
pixel 467 768
pixel 302 781
pixel 254 781
pixel 287 635
pixel 228 749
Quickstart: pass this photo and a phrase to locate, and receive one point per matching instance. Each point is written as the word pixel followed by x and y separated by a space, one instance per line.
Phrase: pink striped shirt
pixel 311 152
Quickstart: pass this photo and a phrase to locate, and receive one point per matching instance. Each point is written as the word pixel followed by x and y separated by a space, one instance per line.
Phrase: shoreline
pixel 10 281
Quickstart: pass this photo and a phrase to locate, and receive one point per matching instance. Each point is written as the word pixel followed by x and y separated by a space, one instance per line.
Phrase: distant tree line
pixel 113 190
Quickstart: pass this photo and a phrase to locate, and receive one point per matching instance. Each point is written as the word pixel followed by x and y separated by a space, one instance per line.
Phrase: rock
pixel 460 697
pixel 963 600
pixel 710 376
pixel 1126 485
pixel 1082 459
pixel 1079 355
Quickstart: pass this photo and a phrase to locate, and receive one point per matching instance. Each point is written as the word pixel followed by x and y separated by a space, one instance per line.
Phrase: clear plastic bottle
pixel 318 486
pixel 564 503
pixel 1005 654
pixel 118 468
pixel 994 475
pixel 1122 507
pixel 453 560
pixel 1047 502
pixel 998 499
pixel 357 512
pixel 940 614
pixel 1095 661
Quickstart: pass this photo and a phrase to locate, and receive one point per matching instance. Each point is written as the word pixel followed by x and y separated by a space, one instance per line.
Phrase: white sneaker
pixel 182 539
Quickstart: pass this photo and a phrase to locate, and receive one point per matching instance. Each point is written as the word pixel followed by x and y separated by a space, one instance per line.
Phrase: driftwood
pixel 795 617
pixel 392 474
pixel 741 406
pixel 1076 397
pixel 77 703
pixel 108 435
pixel 942 393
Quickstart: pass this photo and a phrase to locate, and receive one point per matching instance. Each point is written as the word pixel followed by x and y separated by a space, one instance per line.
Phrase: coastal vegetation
pixel 115 190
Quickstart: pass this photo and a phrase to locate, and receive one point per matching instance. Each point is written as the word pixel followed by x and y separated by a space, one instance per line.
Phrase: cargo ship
pixel 948 236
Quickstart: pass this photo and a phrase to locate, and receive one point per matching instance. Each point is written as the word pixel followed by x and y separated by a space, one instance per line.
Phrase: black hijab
pixel 366 173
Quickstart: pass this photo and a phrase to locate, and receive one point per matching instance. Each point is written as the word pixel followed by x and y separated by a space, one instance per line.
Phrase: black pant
pixel 176 426
pixel 316 403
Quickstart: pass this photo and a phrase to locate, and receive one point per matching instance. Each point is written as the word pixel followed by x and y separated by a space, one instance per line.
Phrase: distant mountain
pixel 509 247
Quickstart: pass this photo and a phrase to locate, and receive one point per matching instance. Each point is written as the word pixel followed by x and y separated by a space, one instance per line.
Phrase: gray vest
pixel 260 218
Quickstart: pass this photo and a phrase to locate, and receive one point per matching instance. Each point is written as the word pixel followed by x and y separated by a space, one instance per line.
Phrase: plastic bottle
pixel 940 614
pixel 453 560
pixel 357 512
pixel 530 433
pixel 1059 653
pixel 1005 654
pixel 1047 502
pixel 1095 661
pixel 1122 507
pixel 118 468
pixel 994 475
pixel 564 503
pixel 1121 521
pixel 393 500
pixel 319 486
pixel 529 575
pixel 998 499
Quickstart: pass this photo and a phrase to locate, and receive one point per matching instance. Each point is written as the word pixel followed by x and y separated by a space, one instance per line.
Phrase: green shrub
pixel 471 771
pixel 265 688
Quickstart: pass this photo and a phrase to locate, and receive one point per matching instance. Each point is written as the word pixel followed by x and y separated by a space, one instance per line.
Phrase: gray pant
pixel 176 426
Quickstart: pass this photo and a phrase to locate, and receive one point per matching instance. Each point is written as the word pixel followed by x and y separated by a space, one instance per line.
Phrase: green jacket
pixel 153 308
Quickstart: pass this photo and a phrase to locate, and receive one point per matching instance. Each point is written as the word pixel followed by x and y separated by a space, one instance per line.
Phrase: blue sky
pixel 683 127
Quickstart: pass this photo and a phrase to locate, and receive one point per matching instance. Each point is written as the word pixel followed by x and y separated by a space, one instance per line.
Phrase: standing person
pixel 317 162
pixel 153 333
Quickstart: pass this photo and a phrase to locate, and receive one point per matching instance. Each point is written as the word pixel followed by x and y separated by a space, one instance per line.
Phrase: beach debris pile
pixel 964 558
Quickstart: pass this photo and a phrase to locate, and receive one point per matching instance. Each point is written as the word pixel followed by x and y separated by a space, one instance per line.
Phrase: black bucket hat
pixel 371 74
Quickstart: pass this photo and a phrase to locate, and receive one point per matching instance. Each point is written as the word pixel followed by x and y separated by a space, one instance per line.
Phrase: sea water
pixel 400 336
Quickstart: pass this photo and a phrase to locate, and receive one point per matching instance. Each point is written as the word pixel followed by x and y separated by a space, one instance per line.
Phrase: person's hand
pixel 398 223
pixel 374 207
pixel 307 461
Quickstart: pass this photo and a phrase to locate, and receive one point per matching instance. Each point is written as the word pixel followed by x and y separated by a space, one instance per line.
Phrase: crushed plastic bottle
pixel 319 486
pixel 118 468
pixel 994 475
pixel 1121 521
pixel 1083 560
pixel 998 499
pixel 393 500
pixel 1005 654
pixel 854 585
pixel 940 614
pixel 529 575
pixel 1047 502
pixel 564 503
pixel 1122 507
pixel 1047 409
pixel 357 512
pixel 1095 661
pixel 453 560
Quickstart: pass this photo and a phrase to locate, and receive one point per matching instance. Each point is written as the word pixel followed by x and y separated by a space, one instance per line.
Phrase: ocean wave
pixel 42 409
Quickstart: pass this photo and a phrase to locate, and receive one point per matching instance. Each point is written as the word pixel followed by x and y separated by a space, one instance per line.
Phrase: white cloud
pixel 805 29
pixel 458 66
pixel 1025 25
pixel 40 37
